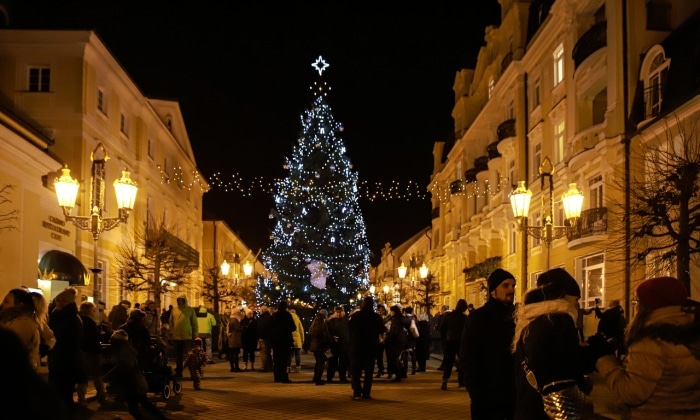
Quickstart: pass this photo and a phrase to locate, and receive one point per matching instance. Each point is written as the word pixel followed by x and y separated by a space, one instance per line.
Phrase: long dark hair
pixel 317 324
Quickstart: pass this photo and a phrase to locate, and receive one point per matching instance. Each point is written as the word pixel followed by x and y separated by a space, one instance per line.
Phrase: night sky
pixel 241 72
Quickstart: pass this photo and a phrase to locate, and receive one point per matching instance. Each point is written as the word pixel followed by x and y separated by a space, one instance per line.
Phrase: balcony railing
pixel 506 129
pixel 592 222
pixel 186 256
pixel 470 175
pixel 591 41
pixel 492 150
pixel 457 187
pixel 481 163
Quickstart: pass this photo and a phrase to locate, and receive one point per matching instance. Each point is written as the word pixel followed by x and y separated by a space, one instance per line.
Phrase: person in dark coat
pixel 264 339
pixel 546 342
pixel 139 336
pixel 66 361
pixel 451 328
pixel 423 342
pixel 319 341
pixel 612 324
pixel 365 326
pixel 339 332
pixel 92 352
pixel 485 357
pixel 119 314
pixel 249 338
pixel 280 335
pixel 394 344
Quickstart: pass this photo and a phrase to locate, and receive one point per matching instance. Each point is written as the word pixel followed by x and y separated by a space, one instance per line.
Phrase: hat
pixel 660 292
pixel 323 312
pixel 198 341
pixel 498 276
pixel 68 295
pixel 119 335
pixel 383 305
pixel 559 280
pixel 136 314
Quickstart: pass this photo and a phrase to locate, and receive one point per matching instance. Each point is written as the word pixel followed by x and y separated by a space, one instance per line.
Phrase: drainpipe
pixel 523 268
pixel 626 142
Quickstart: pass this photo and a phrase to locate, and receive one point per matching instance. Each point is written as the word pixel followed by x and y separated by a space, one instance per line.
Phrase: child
pixel 126 377
pixel 195 362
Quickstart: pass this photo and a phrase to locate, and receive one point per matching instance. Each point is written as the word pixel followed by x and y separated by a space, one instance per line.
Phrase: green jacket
pixel 183 322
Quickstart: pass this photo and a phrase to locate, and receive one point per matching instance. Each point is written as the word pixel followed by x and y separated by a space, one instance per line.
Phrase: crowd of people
pixel 516 361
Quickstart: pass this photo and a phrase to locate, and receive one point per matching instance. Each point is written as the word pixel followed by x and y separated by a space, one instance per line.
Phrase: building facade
pixel 556 82
pixel 74 93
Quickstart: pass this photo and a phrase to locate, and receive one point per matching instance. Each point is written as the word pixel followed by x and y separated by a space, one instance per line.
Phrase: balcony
pixel 591 223
pixel 492 150
pixel 185 255
pixel 456 188
pixel 481 164
pixel 506 62
pixel 470 175
pixel 591 41
pixel 506 129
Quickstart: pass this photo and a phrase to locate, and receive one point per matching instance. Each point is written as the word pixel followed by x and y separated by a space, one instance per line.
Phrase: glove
pixel 600 346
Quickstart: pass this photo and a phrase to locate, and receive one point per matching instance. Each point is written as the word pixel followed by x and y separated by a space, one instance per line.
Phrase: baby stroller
pixel 157 370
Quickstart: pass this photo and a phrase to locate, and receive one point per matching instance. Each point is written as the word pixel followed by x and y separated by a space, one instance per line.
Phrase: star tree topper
pixel 320 65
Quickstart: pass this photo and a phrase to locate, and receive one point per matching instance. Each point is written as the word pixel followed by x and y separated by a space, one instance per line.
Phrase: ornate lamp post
pixel 386 293
pixel 67 191
pixel 520 202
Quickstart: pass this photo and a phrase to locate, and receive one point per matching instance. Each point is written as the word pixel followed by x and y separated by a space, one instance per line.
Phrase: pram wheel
pixel 166 391
pixel 177 386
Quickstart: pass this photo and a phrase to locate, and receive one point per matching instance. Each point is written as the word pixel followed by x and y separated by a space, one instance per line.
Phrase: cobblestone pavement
pixel 228 395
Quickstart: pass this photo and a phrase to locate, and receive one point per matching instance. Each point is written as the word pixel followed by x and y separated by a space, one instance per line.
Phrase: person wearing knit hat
pixel 485 360
pixel 660 292
pixel 559 278
pixel 119 335
pixel 661 374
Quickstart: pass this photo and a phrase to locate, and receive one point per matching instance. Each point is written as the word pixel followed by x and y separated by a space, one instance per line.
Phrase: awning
pixel 59 265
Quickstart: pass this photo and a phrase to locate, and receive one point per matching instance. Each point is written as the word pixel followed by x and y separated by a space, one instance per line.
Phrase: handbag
pixel 328 353
pixel 565 402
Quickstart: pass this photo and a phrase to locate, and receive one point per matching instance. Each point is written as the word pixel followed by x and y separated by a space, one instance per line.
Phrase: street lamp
pixel 386 293
pixel 520 202
pixel 67 191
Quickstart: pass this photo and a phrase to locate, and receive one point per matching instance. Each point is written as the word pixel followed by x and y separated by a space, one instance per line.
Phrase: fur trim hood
pixel 525 314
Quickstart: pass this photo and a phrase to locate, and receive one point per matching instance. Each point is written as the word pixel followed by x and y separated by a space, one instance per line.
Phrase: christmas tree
pixel 319 256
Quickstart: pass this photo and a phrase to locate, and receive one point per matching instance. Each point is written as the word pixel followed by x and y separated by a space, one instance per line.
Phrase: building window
pixel 559 141
pixel 558 57
pixel 595 192
pixel 658 15
pixel 537 222
pixel 533 280
pixel 593 275
pixel 492 84
pixel 511 110
pixel 536 160
pixel 511 174
pixel 151 152
pixel 513 243
pixel 101 101
pixel 123 125
pixel 536 93
pixel 39 79
pixel 654 73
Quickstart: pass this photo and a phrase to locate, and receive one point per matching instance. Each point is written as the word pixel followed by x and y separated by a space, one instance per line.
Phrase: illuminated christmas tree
pixel 319 255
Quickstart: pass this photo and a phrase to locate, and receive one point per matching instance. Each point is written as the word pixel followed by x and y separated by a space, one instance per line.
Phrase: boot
pixel 444 385
pixel 245 368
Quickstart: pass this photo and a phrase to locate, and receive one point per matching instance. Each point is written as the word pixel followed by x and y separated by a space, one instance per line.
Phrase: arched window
pixel 654 74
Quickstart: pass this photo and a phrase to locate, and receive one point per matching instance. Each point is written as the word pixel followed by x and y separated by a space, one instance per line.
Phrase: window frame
pixel 558 65
pixel 41 82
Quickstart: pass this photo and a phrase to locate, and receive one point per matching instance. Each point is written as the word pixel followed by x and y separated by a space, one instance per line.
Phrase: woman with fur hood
pixel 547 352
pixel 660 377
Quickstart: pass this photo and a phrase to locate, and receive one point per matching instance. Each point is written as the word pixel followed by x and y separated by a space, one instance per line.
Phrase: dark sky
pixel 241 72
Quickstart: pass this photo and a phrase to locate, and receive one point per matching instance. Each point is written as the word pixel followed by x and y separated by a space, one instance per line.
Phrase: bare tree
pixel 665 202
pixel 427 292
pixel 219 289
pixel 153 261
pixel 9 217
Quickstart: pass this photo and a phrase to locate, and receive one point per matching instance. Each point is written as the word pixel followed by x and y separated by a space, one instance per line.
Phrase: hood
pixel 202 309
pixel 183 296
